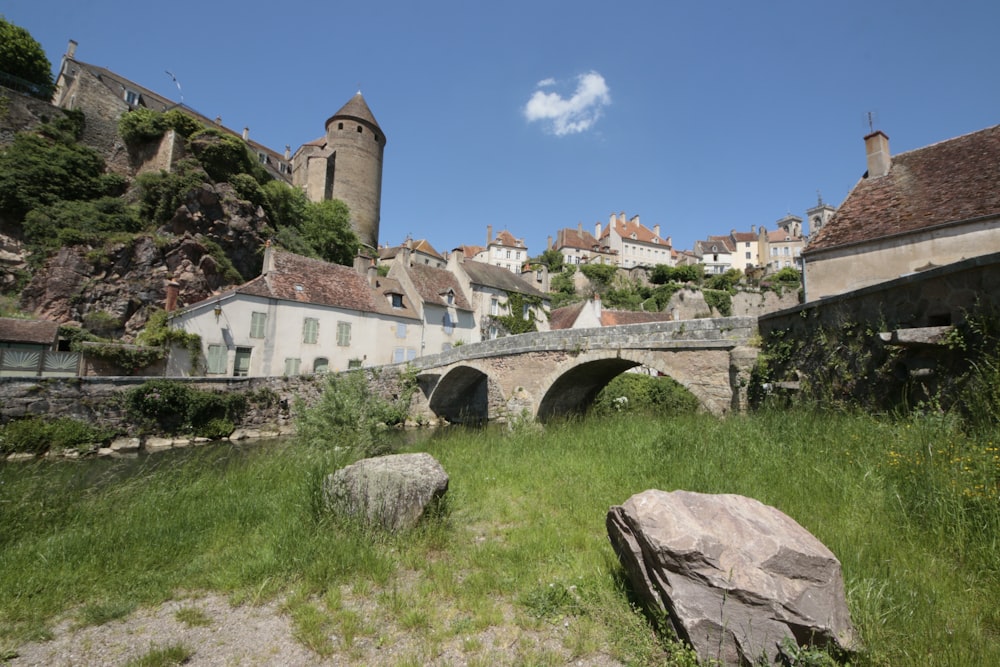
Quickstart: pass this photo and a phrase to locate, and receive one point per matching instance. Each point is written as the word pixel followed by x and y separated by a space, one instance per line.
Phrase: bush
pixel 600 274
pixel 78 222
pixel 164 192
pixel 222 155
pixel 141 126
pixel 36 435
pixel 170 407
pixel 659 396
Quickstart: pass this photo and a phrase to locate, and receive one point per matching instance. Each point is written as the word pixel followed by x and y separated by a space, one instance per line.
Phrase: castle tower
pixel 346 164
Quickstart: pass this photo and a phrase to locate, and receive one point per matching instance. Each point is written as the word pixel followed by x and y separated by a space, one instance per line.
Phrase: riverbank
pixel 521 552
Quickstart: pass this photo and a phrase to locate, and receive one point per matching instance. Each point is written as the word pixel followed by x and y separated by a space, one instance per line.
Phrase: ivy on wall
pixel 514 322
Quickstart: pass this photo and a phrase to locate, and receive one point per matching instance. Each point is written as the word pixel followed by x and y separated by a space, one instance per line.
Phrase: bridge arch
pixel 573 386
pixel 462 395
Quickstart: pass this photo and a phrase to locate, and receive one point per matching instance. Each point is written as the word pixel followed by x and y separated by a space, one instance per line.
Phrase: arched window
pixel 321 365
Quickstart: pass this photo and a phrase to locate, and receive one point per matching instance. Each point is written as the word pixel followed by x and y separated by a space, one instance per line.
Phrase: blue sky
pixel 701 117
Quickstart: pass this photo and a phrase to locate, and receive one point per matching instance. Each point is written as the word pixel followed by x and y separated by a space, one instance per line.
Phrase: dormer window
pixel 396 300
pixel 262 157
pixel 131 98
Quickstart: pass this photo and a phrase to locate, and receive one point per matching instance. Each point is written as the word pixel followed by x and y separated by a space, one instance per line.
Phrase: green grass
pixel 911 509
pixel 167 656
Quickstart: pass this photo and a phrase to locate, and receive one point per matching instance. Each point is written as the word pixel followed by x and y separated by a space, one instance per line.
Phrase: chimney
pixel 218 120
pixel 656 230
pixel 597 306
pixel 597 228
pixel 753 229
pixel 877 152
pixel 549 246
pixel 489 235
pixel 372 274
pixel 71 49
pixel 173 290
pixel 246 133
pixel 288 152
pixel 670 241
pixel 268 259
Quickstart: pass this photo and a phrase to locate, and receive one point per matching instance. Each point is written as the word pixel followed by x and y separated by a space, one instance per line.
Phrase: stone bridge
pixel 547 374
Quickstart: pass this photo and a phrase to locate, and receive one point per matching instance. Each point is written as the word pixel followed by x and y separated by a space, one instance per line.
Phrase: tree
pixel 552 258
pixel 40 170
pixel 23 57
pixel 327 228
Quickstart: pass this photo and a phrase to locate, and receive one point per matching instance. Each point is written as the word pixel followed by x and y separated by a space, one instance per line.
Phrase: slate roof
pixel 37 332
pixel 313 281
pixel 432 284
pixel 950 181
pixel 357 109
pixel 497 277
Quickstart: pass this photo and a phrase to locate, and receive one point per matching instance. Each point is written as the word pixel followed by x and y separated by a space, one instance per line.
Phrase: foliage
pixel 624 298
pixel 725 281
pixel 162 193
pixel 645 394
pixel 158 333
pixel 66 223
pixel 787 275
pixel 687 273
pixel 599 274
pixel 101 322
pixel 142 125
pixel 286 206
pixel 22 57
pixel 225 266
pixel 351 417
pixel 171 407
pixel 327 228
pixel 222 155
pixel 520 317
pixel 38 170
pixel 720 300
pixel 553 259
pixel 166 656
pixel 37 435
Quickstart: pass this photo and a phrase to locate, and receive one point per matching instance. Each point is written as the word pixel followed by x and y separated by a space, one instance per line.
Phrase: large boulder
pixel 391 492
pixel 736 578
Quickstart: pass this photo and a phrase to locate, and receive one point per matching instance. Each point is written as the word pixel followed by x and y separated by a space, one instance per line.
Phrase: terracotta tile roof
pixel 574 238
pixel 297 278
pixel 505 238
pixel 626 229
pixel 954 180
pixel 780 236
pixel 563 318
pixel 487 275
pixel 470 251
pixel 744 237
pixel 610 318
pixel 36 332
pixel 432 284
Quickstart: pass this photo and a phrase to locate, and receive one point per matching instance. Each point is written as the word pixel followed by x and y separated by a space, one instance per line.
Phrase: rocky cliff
pixel 215 240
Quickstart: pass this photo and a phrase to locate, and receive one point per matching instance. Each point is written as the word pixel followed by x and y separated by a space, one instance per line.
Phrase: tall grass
pixel 910 509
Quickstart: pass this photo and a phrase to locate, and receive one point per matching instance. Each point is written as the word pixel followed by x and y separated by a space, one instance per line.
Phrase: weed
pixel 192 617
pixel 174 654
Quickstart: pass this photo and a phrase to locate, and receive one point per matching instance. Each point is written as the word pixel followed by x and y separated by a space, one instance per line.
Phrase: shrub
pixel 37 435
pixel 141 126
pixel 659 396
pixel 600 274
pixel 78 222
pixel 171 407
pixel 162 193
pixel 222 155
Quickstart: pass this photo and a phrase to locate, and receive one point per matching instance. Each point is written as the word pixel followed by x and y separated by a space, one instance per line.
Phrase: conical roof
pixel 357 109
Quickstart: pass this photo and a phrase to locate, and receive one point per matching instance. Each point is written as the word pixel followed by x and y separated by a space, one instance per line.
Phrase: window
pixel 525 311
pixel 321 365
pixel 787 251
pixel 494 306
pixel 508 254
pixel 360 130
pixel 353 364
pixel 343 334
pixel 258 321
pixel 450 298
pixel 401 330
pixel 310 330
pixel 131 98
pixel 292 366
pixel 493 332
pixel 262 157
pixel 241 365
pixel 340 126
pixel 216 359
pixel 448 324
pixel 748 254
pixel 397 300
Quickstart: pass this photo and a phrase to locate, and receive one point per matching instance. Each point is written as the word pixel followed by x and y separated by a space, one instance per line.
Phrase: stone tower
pixel 346 164
pixel 819 215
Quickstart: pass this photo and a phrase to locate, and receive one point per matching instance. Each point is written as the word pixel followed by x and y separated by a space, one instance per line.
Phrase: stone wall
pixel 99 400
pixel 689 304
pixel 21 113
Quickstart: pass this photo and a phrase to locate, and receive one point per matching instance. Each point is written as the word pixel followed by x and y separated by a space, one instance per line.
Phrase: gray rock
pixel 391 492
pixel 126 444
pixel 736 578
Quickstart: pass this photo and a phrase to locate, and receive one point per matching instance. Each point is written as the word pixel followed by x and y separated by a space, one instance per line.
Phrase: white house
pixel 301 316
pixel 492 291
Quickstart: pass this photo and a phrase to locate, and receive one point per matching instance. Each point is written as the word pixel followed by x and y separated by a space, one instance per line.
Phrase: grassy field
pixel 911 508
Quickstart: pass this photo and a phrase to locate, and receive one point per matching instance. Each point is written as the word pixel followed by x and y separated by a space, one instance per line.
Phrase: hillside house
pixel 418 252
pixel 590 313
pixel 579 246
pixel 633 243
pixel 503 250
pixel 716 253
pixel 441 303
pixel 301 316
pixel 492 289
pixel 920 209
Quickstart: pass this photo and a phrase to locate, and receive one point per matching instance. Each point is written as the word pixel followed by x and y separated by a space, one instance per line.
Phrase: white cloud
pixel 569 115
